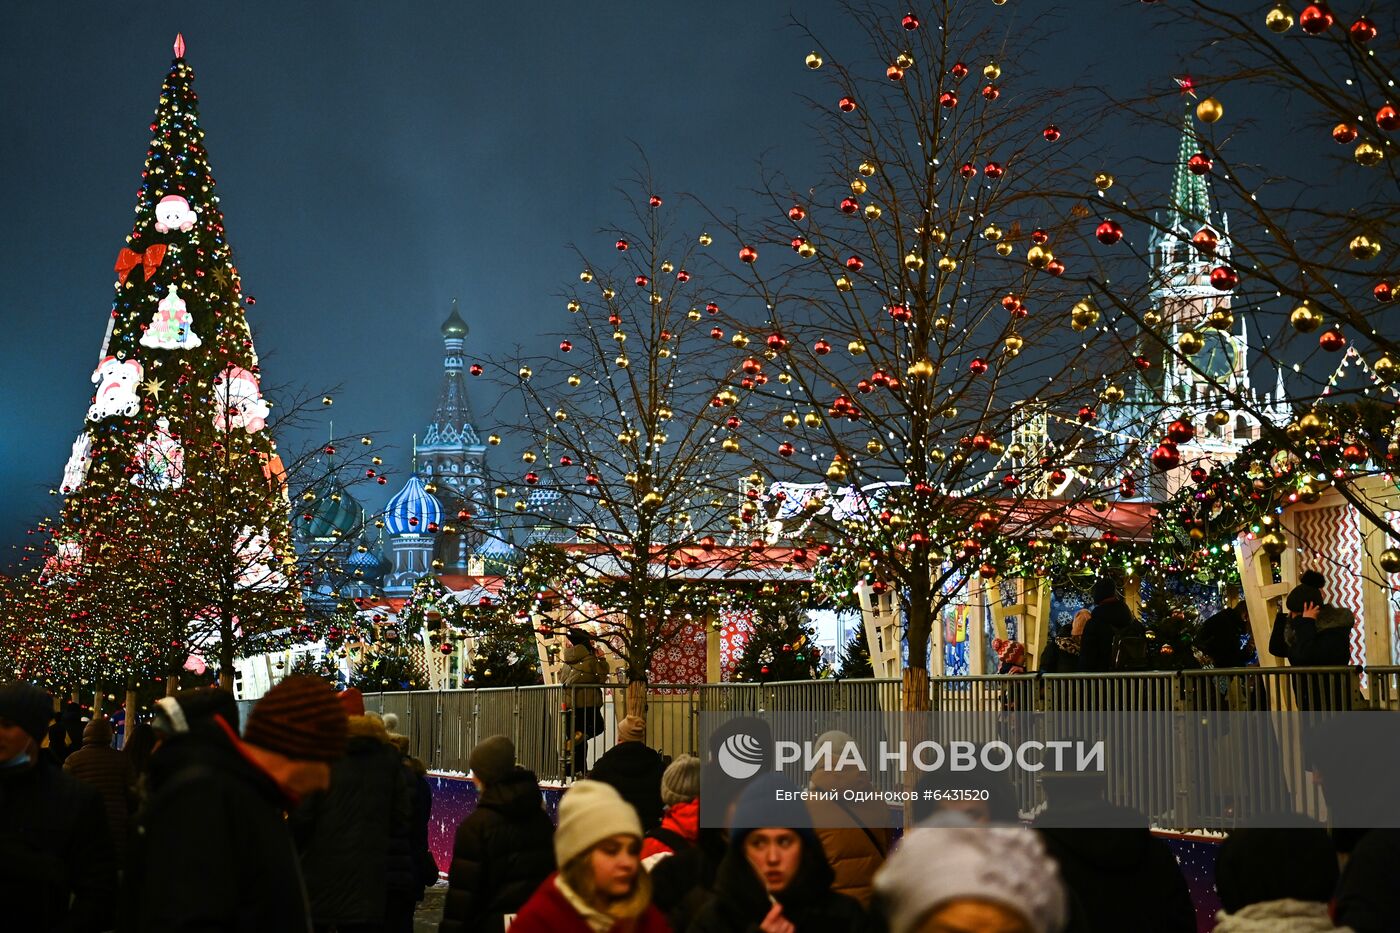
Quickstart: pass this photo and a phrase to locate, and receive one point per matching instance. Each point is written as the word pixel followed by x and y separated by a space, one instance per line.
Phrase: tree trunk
pixel 133 700
pixel 226 678
pixel 97 697
pixel 637 698
pixel 916 690
pixel 172 684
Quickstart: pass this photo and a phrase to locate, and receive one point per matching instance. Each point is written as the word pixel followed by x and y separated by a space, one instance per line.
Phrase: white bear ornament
pixel 116 382
pixel 174 213
pixel 238 402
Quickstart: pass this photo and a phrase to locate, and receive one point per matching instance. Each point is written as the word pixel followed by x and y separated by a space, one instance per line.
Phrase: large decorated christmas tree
pixel 174 537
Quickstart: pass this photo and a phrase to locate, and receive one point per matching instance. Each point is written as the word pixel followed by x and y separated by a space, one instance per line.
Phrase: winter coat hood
pixel 515 796
pixel 1286 916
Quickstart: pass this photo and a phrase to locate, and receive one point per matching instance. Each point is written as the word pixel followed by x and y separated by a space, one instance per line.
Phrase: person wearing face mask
pixel 57 867
pixel 600 886
pixel 214 847
pixel 775 878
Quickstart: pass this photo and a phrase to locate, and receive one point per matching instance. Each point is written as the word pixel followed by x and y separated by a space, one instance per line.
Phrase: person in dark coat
pixel 213 851
pixel 775 871
pixel 108 772
pixel 1120 877
pixel 1109 619
pixel 1368 899
pixel 345 835
pixel 57 870
pixel 1312 634
pixel 1278 878
pixel 504 850
pixel 635 770
pixel 420 866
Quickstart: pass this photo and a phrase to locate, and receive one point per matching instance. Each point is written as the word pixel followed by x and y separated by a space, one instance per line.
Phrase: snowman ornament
pixel 174 213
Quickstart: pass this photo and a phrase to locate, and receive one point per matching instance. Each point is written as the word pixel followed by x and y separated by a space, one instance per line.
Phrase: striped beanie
pixel 300 718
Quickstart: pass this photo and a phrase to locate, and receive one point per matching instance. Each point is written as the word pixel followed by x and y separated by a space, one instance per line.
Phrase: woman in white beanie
pixel 972 880
pixel 600 886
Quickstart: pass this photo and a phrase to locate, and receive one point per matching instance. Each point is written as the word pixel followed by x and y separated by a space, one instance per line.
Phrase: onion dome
pixel 454 326
pixel 366 562
pixel 412 509
pixel 336 513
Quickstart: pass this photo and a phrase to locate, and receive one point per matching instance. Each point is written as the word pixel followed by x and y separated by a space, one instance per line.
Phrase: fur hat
pixel 590 812
pixel 681 780
pixel 1001 864
pixel 27 706
pixel 300 718
pixel 492 759
pixel 632 729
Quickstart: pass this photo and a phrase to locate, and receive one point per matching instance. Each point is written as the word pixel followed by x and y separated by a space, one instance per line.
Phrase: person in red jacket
pixel 600 886
pixel 680 826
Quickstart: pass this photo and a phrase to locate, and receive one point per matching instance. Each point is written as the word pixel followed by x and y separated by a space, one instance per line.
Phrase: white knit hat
pixel 590 812
pixel 1000 864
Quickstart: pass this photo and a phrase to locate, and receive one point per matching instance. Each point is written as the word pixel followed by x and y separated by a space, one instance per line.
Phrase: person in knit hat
pixel 680 825
pixel 504 850
pixel 57 870
pixel 226 798
pixel 635 770
pixel 775 875
pixel 960 877
pixel 110 773
pixel 600 886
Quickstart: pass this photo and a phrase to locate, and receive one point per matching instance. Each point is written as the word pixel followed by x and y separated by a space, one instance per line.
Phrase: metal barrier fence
pixel 1198 790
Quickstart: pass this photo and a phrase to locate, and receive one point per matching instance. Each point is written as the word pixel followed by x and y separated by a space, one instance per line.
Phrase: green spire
pixel 1190 192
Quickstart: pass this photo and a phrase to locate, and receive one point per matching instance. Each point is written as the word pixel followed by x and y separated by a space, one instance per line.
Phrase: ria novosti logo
pixel 740 756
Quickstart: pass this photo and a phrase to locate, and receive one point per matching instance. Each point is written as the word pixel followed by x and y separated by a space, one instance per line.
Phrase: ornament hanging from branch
pixel 174 213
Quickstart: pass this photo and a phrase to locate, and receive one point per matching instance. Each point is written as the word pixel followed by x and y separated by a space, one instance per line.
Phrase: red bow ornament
pixel 150 260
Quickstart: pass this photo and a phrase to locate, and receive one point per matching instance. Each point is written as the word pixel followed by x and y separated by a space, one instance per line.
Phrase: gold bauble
pixel 1273 543
pixel 1084 314
pixel 664 414
pixel 561 415
pixel 874 447
pixel 693 314
pixel 872 212
pixel 992 232
pixel 1111 393
pixel 812 419
pixel 1311 425
pixel 858 186
pixel 619 336
pixel 1305 319
pixel 942 322
pixel 913 262
pixel 947 264
pixel 1004 248
pixel 1367 154
pixel 528 456
pixel 920 369
pixel 500 492
pixel 1190 343
pixel 1209 110
pixel 1220 319
pixel 1039 257
pixel 937 456
pixel 866 168
pixel 1221 417
pixel 1103 181
pixel 1279 19
pixel 585 276
pixel 1364 247
pixel 739 340
pixel 1100 505
pixel 904 59
pixel 937 236
pixel 837 470
pixel 667 267
pixel 609 294
pixel 622 361
pixel 494 440
pixel 574 380
pixel 1014 343
pixel 784 378
pixel 730 445
pixel 814 61
pixel 1151 318
pixel 856 347
pixel 1389 560
pixel 573 306
pixel 706 239
pixel 1386 369
pixel 843 284
pixel 992 71
pixel 790 420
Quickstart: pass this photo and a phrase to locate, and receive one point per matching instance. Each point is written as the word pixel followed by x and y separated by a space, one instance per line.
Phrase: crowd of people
pixel 313 816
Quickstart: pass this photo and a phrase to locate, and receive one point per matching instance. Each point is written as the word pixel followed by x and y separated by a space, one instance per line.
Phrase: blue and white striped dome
pixel 411 502
pixel 365 561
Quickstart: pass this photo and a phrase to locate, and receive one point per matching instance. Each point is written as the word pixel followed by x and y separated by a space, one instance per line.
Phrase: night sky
pixel 376 160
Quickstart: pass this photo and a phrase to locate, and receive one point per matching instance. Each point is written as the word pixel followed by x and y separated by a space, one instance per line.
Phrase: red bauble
pixel 978 366
pixel 1223 278
pixel 1199 475
pixel 748 254
pixel 566 345
pixel 1142 363
pixel 847 104
pixel 707 543
pixel 1198 164
pixel 1051 133
pixel 717 333
pixel 1058 476
pixel 864 387
pixel 1362 31
pixel 901 313
pixel 1316 18
pixel 1087 415
pixel 855 263
pixel 967 170
pixel 1039 237
pixel 777 342
pixel 990 92
pixel 785 449
pixel 959 70
pixel 987 571
pixel 1205 240
pixel 711 307
pixel 682 276
pixel 797 212
pixel 821 347
pixel 654 201
pixel 1055 268
pixel 1166 456
pixel 1345 133
pixel 981 442
pixel 948 99
pixel 1180 431
pixel 475 369
pixel 894 73
pixel 910 22
pixel 622 246
pixel 1387 118
pixel 1354 454
pixel 592 479
pixel 994 170
pixel 849 205
pixel 532 477
pixel 1383 291
pixel 1109 232
pixel 1332 340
